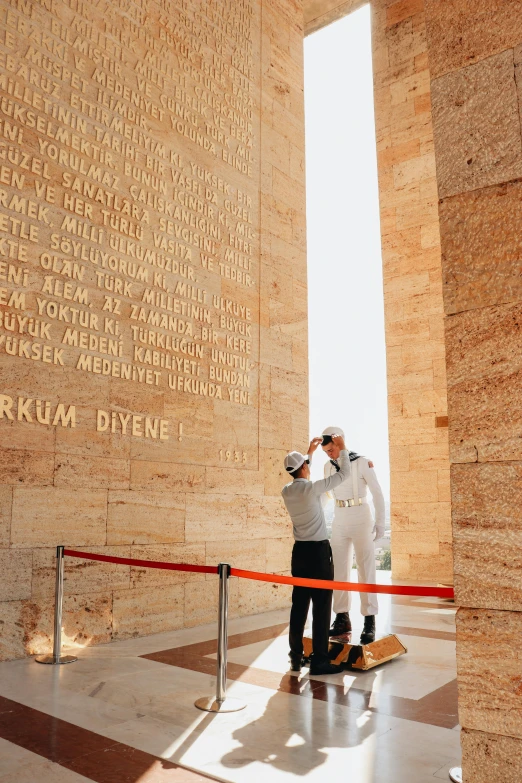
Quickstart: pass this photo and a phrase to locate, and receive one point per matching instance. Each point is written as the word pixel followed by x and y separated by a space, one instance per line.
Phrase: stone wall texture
pixel 475 55
pixel 413 306
pixel 153 340
pixel 319 13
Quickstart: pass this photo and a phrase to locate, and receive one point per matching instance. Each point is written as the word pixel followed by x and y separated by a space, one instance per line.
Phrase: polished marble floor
pixel 124 713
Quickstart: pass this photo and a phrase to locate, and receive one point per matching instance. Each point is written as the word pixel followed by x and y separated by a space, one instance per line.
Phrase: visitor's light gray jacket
pixel 303 502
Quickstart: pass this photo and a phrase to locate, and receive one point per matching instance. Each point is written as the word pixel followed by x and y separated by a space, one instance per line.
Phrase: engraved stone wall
pixel 153 349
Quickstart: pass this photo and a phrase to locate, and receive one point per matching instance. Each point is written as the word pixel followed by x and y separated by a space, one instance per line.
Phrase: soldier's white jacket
pixel 366 480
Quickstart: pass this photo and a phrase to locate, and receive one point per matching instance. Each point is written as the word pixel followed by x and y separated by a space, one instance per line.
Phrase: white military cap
pixel 333 431
pixel 294 460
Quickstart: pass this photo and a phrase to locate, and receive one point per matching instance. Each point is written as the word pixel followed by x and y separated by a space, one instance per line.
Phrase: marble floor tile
pixel 18 765
pixel 443 772
pixel 280 737
pixel 88 713
pixel 296 752
pixel 429 664
pixel 13 758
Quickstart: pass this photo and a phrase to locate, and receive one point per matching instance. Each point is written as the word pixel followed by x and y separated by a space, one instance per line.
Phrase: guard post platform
pixel 360 656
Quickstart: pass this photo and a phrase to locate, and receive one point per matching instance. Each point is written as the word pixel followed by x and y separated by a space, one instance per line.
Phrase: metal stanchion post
pixel 455 774
pixel 220 702
pixel 57 657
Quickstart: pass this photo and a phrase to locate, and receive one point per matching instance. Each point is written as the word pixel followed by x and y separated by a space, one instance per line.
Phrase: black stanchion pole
pixel 57 657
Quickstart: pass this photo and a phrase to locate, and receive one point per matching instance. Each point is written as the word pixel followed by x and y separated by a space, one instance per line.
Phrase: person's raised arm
pixel 326 496
pixel 333 481
pixel 314 443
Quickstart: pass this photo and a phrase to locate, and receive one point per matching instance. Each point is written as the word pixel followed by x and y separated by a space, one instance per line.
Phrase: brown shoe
pixel 341 625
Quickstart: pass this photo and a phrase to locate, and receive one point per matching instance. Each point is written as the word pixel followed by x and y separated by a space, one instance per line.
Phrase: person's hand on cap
pixel 314 443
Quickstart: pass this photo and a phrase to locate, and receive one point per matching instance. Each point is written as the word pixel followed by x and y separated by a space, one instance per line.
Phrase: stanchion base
pixel 50 659
pixel 456 774
pixel 210 704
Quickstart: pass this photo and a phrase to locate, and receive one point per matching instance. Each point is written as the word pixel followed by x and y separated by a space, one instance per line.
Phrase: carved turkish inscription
pixel 129 207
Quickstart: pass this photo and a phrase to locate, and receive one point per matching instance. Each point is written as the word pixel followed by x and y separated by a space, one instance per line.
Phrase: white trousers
pixel 353 529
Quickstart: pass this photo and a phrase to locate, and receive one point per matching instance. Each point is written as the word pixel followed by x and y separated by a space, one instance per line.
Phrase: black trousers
pixel 311 559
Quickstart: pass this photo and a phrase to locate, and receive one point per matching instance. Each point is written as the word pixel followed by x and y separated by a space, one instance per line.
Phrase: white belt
pixel 349 503
pixel 354 500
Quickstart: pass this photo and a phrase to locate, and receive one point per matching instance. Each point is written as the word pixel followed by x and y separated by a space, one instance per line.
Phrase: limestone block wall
pixel 415 350
pixel 475 54
pixel 153 342
pixel 319 13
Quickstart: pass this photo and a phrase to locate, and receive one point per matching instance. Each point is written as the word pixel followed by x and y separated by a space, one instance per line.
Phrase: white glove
pixel 378 531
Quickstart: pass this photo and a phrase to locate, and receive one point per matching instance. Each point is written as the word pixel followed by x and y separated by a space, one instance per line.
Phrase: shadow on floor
pixel 297 737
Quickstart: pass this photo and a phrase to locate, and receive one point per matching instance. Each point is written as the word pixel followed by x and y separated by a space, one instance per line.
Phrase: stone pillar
pixel 475 56
pixel 417 405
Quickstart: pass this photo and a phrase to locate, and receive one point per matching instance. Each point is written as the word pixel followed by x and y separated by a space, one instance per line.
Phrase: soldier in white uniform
pixel 354 529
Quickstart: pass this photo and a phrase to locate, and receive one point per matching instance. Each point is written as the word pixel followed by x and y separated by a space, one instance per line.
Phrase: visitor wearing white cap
pixel 312 554
pixel 354 528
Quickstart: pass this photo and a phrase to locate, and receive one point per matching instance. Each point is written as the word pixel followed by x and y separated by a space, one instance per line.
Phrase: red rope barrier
pixel 144 563
pixel 356 587
pixel 322 584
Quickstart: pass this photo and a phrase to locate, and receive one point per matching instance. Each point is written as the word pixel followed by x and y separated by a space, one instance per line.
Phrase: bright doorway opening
pixel 346 308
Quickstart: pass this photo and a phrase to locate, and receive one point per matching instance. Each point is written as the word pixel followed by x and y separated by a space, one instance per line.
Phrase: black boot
pixel 368 634
pixel 325 667
pixel 296 662
pixel 341 625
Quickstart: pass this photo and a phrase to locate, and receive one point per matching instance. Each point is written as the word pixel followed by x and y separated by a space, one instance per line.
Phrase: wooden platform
pixel 361 656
